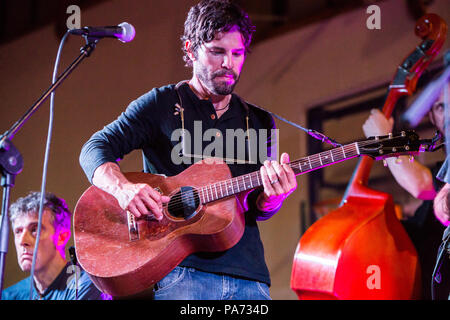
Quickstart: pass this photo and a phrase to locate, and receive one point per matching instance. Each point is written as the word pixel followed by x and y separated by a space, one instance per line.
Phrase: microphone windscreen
pixel 128 32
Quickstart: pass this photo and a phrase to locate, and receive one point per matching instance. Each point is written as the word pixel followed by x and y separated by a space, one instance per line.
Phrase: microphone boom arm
pixel 11 161
pixel 85 52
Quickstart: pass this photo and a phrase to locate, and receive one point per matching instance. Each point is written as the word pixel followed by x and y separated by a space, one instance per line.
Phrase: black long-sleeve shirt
pixel 149 124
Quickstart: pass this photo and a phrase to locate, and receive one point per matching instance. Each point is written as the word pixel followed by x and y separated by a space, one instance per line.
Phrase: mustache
pixel 222 73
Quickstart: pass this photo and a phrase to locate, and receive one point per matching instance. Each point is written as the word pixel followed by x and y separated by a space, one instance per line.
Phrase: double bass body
pixel 361 250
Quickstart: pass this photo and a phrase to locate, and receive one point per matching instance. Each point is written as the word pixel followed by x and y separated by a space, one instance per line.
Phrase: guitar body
pixel 359 251
pixel 120 266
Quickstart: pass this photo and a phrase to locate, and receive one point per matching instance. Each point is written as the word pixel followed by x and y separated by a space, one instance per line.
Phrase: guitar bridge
pixel 133 230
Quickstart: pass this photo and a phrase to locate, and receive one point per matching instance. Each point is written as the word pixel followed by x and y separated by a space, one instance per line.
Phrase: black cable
pixel 73 259
pixel 313 133
pixel 44 172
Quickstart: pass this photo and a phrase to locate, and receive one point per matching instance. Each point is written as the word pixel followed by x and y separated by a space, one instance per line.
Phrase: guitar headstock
pixel 381 147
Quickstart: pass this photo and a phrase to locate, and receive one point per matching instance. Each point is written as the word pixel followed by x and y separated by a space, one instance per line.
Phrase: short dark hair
pixel 209 17
pixel 29 205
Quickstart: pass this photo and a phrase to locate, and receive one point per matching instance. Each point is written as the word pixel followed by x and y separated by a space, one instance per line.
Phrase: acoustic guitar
pixel 124 255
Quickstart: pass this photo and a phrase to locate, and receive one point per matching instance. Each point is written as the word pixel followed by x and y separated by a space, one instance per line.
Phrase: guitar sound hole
pixel 184 203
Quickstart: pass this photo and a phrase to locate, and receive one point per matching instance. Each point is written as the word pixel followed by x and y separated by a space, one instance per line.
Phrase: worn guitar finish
pixel 124 255
pixel 119 265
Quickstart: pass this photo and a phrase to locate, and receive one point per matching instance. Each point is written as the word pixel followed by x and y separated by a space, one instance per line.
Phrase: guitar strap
pixel 180 110
pixel 149 167
pixel 313 133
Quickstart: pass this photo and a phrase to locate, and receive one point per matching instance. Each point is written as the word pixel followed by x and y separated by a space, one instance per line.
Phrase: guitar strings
pixel 180 198
pixel 177 201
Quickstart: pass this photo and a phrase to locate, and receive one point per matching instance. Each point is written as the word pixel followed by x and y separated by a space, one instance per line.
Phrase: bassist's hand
pixel 377 124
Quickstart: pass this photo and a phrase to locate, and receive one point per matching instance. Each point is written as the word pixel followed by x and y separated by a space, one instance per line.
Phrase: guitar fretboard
pixel 226 188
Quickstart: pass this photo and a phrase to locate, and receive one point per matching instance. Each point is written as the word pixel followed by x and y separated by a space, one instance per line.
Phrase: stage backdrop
pixel 286 74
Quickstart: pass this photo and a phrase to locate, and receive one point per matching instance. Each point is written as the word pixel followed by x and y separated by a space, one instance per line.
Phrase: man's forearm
pixel 138 198
pixel 413 177
pixel 109 178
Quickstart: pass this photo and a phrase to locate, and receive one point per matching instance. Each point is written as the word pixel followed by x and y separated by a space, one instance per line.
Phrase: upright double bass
pixel 360 250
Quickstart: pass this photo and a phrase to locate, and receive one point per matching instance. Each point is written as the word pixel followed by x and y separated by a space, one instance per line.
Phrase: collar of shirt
pixel 59 284
pixel 206 108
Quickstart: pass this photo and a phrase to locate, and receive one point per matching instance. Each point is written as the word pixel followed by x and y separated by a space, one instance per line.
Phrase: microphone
pixel 124 32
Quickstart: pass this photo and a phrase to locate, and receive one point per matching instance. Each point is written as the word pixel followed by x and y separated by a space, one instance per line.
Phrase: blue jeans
pixel 192 284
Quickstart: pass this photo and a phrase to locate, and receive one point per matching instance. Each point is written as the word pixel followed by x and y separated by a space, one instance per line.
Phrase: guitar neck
pixel 226 188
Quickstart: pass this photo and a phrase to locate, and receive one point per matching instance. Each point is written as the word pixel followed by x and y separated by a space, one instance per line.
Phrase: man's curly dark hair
pixel 209 17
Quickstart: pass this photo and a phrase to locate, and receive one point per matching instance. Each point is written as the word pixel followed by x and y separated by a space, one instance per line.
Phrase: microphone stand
pixel 11 161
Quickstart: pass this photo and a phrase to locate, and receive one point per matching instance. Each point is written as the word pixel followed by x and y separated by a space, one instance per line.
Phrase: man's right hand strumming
pixel 138 198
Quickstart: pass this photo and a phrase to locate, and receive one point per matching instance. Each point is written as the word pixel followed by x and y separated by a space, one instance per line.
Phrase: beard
pixel 215 85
